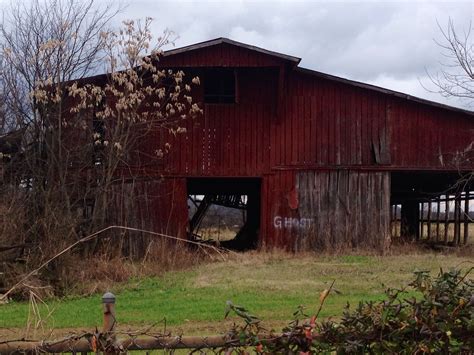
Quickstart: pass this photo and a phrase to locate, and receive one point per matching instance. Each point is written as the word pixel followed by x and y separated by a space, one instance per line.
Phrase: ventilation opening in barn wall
pixel 225 211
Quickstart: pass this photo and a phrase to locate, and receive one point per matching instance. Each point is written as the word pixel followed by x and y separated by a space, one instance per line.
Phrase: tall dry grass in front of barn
pixel 72 273
pixel 76 274
pixel 98 274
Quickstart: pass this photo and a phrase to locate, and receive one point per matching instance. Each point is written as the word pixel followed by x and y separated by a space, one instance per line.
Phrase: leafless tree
pixel 455 79
pixel 82 133
pixel 50 42
pixel 456 76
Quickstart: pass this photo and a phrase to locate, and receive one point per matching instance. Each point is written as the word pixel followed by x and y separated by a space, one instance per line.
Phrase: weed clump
pixel 440 319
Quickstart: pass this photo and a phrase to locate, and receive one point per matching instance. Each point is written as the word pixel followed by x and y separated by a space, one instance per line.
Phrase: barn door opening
pixel 225 211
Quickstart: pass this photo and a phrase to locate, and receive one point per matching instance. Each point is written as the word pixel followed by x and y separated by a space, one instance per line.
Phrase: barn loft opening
pixel 219 86
pixel 433 207
pixel 225 211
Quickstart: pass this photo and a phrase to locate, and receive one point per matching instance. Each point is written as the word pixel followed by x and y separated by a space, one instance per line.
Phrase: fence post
pixel 108 302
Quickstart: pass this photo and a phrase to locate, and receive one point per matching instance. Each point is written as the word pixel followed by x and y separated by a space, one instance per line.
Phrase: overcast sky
pixel 389 44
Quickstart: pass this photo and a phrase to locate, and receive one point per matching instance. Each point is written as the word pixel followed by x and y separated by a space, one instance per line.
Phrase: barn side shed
pixel 325 162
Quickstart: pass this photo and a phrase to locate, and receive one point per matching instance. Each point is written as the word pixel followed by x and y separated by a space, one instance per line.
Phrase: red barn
pixel 323 161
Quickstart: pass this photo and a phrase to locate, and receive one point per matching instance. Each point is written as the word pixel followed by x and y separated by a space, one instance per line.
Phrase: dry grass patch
pixel 270 284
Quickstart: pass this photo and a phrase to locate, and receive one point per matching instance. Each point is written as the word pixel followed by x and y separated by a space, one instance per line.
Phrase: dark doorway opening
pixel 225 211
pixel 433 207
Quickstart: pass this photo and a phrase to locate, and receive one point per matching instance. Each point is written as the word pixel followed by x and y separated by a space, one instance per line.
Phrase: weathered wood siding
pixel 313 210
pixel 278 197
pixel 428 138
pixel 158 205
pixel 347 209
pixel 319 124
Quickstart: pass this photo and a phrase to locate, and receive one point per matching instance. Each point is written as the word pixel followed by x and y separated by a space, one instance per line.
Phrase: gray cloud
pixel 390 44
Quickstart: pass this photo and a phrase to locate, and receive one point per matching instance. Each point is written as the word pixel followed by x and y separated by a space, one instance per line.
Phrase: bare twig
pixel 323 299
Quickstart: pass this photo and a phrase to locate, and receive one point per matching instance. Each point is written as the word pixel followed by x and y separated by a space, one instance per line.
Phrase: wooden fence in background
pixel 445 219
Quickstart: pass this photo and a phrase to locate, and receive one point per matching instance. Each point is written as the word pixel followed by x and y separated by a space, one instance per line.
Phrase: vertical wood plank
pixel 338 128
pixel 457 219
pixel 438 208
pixel 428 220
pixel 446 219
pixel 422 219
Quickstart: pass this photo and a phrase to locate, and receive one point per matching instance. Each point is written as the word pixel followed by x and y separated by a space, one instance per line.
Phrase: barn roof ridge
pixel 381 90
pixel 221 40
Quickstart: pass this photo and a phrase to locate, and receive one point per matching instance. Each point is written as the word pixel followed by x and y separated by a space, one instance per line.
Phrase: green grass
pixel 269 285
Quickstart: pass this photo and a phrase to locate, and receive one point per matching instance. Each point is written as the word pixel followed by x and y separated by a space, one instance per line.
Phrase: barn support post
pixel 396 215
pixel 446 220
pixel 410 220
pixel 393 221
pixel 457 220
pixel 428 221
pixel 421 224
pixel 438 208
